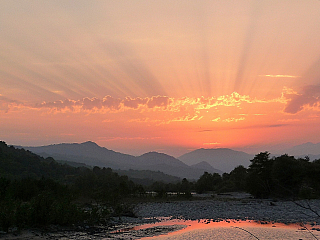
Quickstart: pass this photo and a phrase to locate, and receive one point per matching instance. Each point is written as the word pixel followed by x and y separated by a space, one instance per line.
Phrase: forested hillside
pixel 19 163
pixel 35 192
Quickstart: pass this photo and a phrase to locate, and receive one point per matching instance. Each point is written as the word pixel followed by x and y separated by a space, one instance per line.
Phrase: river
pixel 231 229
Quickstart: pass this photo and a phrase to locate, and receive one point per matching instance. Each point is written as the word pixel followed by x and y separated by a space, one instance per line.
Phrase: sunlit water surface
pixel 233 229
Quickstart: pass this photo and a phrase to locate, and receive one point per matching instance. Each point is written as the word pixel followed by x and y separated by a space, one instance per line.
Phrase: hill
pixel 17 163
pixel 20 163
pixel 223 159
pixel 88 153
pixel 206 167
pixel 38 192
pixel 167 164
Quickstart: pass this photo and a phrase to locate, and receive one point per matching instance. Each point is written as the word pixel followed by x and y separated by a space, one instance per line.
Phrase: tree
pixel 288 174
pixel 259 182
pixel 238 177
pixel 208 182
pixel 185 188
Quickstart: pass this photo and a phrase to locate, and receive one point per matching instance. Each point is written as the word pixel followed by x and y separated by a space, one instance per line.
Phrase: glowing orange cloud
pixel 158 122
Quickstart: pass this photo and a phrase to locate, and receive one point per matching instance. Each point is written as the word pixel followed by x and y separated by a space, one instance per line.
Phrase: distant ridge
pixel 87 152
pixel 206 167
pixel 305 149
pixel 212 160
pixel 155 158
pixel 224 159
pixel 92 154
pixel 165 163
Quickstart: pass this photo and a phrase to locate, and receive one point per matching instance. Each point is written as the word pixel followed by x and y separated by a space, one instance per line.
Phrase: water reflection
pixel 233 229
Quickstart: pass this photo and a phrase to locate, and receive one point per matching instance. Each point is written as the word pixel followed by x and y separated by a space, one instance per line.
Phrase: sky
pixel 170 76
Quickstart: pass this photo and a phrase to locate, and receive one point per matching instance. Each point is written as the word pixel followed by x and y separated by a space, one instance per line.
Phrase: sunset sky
pixel 161 75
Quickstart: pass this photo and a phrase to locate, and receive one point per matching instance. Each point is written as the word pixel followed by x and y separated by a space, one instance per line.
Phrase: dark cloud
pixel 88 104
pixel 6 103
pixel 206 130
pixel 159 101
pixel 134 102
pixel 111 103
pixel 310 96
pixel 59 105
pixel 107 102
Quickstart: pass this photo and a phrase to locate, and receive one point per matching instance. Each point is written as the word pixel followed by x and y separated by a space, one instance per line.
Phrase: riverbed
pixel 201 219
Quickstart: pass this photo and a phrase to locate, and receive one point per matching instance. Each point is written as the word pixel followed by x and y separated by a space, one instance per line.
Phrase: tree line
pixel 36 191
pixel 278 177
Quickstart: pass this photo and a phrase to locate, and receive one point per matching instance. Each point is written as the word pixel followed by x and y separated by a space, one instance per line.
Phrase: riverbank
pixel 244 209
pixel 213 209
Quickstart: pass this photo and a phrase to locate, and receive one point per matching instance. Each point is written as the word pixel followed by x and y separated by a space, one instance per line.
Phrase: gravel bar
pixel 260 210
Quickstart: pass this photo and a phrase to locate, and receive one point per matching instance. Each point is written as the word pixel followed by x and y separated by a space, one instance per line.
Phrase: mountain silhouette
pixel 223 159
pixel 155 158
pixel 167 164
pixel 305 149
pixel 92 154
pixel 206 167
pixel 88 152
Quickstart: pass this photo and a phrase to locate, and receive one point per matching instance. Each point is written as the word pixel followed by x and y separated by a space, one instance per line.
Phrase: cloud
pixel 234 119
pixel 186 118
pixel 7 104
pixel 206 130
pixel 279 76
pixel 262 126
pixel 159 101
pixel 309 97
pixel 134 102
pixel 58 105
pixel 111 103
pixel 247 127
pixel 181 109
pixel 107 103
pixel 86 104
pixel 212 143
pixel 218 119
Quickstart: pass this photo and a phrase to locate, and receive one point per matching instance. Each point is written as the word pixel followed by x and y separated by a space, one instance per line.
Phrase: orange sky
pixel 169 76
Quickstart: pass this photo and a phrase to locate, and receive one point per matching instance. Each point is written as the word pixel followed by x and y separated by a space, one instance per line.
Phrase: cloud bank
pixel 164 103
pixel 309 97
pixel 185 105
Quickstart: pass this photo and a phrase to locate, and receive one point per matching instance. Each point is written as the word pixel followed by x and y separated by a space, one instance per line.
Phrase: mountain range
pixel 190 165
pixel 222 158
pixel 91 154
pixel 312 150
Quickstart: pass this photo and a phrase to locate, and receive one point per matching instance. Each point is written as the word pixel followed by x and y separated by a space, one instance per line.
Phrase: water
pixel 235 230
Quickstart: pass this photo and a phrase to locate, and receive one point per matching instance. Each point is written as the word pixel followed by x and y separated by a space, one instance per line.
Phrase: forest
pixel 37 191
